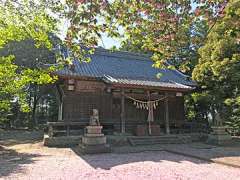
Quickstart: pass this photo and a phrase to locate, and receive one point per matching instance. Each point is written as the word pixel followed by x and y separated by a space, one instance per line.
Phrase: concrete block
pixel 94 140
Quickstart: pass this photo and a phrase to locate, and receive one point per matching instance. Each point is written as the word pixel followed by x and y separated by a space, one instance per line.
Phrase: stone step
pixel 159 140
pixel 94 149
pixel 153 143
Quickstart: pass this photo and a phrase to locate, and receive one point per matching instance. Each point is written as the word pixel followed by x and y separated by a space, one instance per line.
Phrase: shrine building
pixel 130 94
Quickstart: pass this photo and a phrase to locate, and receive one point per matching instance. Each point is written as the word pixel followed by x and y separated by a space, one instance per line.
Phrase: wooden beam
pixel 167 114
pixel 123 125
pixel 149 122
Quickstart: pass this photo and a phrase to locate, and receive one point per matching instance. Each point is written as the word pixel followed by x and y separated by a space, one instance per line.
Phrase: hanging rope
pixel 145 104
pixel 149 105
pixel 136 100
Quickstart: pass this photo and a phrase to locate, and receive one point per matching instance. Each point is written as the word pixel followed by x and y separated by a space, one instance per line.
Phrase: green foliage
pixel 25 19
pixel 20 20
pixel 218 69
pixel 198 106
pixel 13 83
pixel 8 83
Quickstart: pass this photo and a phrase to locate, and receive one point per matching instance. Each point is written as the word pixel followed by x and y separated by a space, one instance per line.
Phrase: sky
pixel 108 42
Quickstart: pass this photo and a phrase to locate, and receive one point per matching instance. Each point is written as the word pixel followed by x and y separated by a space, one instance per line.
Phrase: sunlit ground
pixel 33 161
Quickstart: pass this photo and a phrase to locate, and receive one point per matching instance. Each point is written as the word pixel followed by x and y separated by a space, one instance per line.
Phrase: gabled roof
pixel 127 69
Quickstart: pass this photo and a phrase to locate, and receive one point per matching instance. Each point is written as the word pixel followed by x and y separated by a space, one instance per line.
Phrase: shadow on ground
pixel 14 137
pixel 109 160
pixel 196 153
pixel 12 161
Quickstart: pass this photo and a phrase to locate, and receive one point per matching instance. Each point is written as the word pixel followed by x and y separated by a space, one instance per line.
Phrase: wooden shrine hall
pixel 124 88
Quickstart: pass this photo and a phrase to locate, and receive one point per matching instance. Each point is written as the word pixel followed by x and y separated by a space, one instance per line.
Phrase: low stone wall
pixel 69 141
pixel 113 140
pixel 62 141
pixel 117 141
pixel 196 137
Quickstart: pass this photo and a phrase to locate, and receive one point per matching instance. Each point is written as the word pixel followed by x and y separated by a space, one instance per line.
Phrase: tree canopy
pixel 218 68
pixel 20 20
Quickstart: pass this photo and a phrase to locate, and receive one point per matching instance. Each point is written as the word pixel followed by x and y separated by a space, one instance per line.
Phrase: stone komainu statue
pixel 218 120
pixel 94 119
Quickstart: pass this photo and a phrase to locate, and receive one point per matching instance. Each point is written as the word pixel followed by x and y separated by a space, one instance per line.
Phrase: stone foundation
pixel 94 141
pixel 219 136
pixel 94 149
pixel 94 129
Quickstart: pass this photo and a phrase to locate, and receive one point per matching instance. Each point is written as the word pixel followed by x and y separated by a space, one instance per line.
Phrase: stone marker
pixel 219 136
pixel 94 140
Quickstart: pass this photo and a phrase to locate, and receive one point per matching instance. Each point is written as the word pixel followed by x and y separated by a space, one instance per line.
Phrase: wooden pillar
pixel 111 106
pixel 167 114
pixel 60 95
pixel 149 122
pixel 123 128
pixel 60 111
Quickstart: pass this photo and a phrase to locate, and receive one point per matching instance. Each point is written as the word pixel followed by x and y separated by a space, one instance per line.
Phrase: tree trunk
pixel 34 121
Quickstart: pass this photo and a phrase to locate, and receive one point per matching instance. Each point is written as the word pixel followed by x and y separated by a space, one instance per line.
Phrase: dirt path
pixel 31 160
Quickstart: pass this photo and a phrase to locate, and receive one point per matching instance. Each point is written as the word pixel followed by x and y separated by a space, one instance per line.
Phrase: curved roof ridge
pixel 122 54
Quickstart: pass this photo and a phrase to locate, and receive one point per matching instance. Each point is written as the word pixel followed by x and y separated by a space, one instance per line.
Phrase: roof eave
pixel 120 85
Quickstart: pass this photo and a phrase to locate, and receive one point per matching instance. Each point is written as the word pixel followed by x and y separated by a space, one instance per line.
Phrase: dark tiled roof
pixel 129 69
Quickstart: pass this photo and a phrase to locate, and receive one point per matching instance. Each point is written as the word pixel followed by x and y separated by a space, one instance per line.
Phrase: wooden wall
pixel 78 105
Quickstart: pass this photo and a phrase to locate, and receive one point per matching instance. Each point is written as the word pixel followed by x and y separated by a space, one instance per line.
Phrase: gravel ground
pixel 32 161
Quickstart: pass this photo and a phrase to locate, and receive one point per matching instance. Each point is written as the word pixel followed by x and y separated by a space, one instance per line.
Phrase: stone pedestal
pixel 219 136
pixel 94 141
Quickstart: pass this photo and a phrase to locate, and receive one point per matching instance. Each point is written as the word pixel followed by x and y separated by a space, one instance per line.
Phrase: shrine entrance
pixel 149 104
